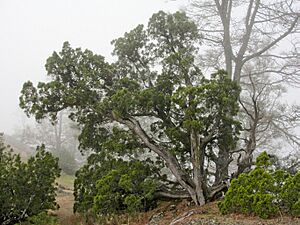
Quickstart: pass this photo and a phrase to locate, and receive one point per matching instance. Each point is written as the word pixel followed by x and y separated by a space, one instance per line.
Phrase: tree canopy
pixel 153 103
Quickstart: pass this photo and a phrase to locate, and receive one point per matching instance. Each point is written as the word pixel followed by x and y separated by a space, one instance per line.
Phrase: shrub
pixel 291 194
pixel 127 188
pixel 105 187
pixel 85 182
pixel 40 219
pixel 263 192
pixel 26 187
pixel 250 193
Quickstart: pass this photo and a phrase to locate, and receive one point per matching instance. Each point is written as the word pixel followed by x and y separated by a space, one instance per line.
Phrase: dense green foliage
pixel 128 187
pixel 40 219
pixel 290 195
pixel 263 191
pixel 108 156
pixel 27 188
pixel 106 187
pixel 152 104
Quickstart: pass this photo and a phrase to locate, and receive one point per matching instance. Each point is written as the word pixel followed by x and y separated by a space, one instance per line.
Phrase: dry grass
pixel 65 199
pixel 65 212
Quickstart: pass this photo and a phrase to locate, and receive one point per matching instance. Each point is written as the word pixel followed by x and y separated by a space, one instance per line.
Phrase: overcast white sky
pixel 31 30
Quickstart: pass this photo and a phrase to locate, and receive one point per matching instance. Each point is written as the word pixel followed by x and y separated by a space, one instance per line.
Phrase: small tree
pixel 26 189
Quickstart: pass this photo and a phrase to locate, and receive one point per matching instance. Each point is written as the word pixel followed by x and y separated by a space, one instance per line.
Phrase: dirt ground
pixel 65 212
pixel 170 213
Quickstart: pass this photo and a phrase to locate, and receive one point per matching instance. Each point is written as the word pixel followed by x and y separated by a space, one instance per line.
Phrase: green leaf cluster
pixel 110 147
pixel 263 191
pixel 27 188
pixel 40 219
pixel 114 186
pixel 290 195
pixel 126 188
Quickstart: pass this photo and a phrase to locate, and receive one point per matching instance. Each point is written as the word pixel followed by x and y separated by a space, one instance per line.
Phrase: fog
pixel 31 30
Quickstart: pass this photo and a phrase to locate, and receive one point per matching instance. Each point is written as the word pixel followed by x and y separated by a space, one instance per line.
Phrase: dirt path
pixel 65 212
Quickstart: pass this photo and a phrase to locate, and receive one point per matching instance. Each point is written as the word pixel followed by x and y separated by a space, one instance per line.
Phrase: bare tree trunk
pixel 222 163
pixel 58 132
pixel 224 10
pixel 198 162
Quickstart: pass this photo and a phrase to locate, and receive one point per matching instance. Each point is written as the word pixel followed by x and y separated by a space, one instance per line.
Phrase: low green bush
pixel 27 188
pixel 290 194
pixel 107 187
pixel 126 188
pixel 263 191
pixel 41 219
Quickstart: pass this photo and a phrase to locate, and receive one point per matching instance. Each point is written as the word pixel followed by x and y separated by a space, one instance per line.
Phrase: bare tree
pixel 267 121
pixel 247 37
pixel 245 30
